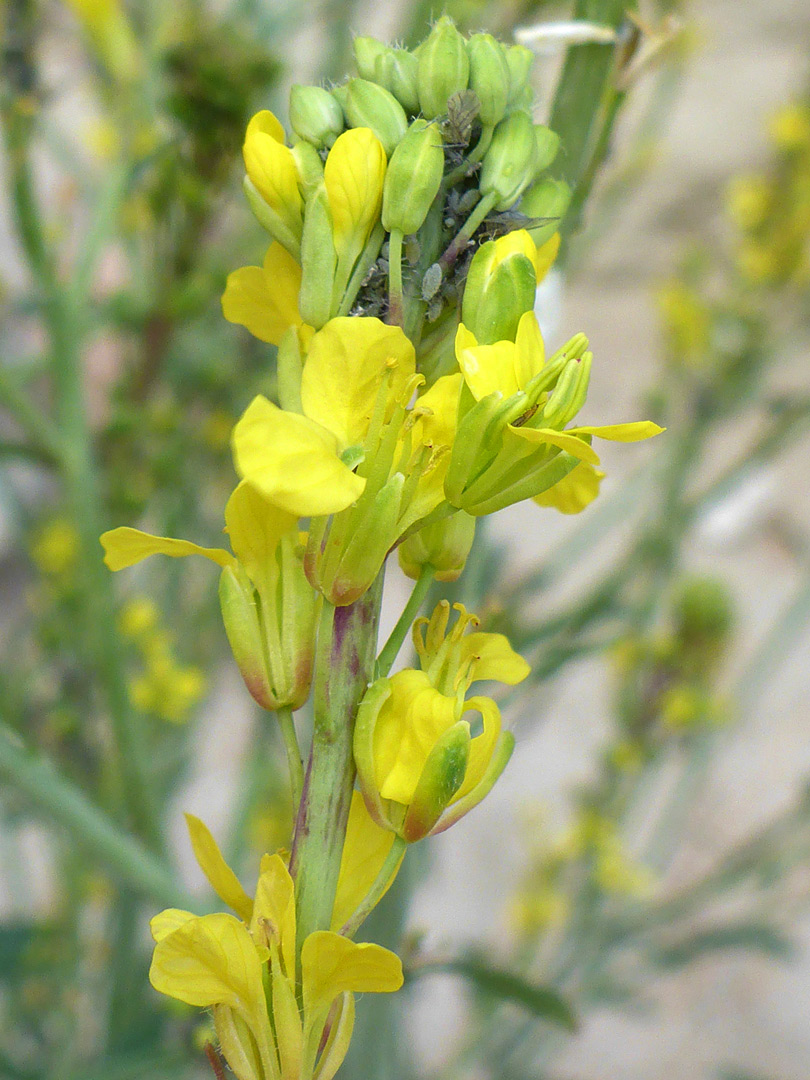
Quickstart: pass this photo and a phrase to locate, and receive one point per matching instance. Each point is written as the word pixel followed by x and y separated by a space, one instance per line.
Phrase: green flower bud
pixel 500 287
pixel 315 115
pixel 309 167
pixel 519 60
pixel 508 166
pixel 546 199
pixel 547 143
pixel 413 177
pixel 366 51
pixel 372 106
pixel 444 545
pixel 341 96
pixel 443 68
pixel 318 261
pixel 396 70
pixel 489 77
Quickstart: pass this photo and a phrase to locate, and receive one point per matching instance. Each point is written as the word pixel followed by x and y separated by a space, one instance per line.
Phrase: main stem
pixel 347 643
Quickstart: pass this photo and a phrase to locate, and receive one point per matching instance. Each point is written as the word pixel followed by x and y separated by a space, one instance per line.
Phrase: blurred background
pixel 633 899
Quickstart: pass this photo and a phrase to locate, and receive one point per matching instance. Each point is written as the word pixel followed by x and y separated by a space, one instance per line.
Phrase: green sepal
pixel 289 370
pixel 547 144
pixel 366 51
pixel 508 166
pixel 397 71
pixel 495 490
pixel 318 261
pixel 546 199
pixel 372 106
pixel 412 178
pixel 315 115
pixel 237 1044
pixel 489 77
pixel 442 776
pixel 498 762
pixel 363 749
pixel 493 303
pixel 240 614
pixel 310 168
pixel 443 68
pixel 443 545
pixel 270 220
pixel 473 427
pixel 519 61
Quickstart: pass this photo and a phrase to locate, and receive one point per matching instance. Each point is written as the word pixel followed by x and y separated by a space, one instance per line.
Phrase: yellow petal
pixel 575 491
pixel 271 167
pixel 124 547
pixel 546 254
pixel 632 432
pixel 563 440
pixel 274 909
pixel 293 461
pixel 265 299
pixel 345 366
pixel 255 527
pixel 365 850
pixel 210 961
pixel 482 746
pixel 408 726
pixel 493 658
pixel 354 175
pixel 223 880
pixel 166 922
pixel 516 242
pixel 332 965
pixel 529 349
pixel 487 369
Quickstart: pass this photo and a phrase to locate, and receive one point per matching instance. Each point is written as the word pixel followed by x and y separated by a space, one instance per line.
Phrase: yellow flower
pixel 420 768
pixel 790 127
pixel 512 440
pixel 56 548
pixel 265 298
pixel 272 638
pixel 749 199
pixel 270 1025
pixel 356 447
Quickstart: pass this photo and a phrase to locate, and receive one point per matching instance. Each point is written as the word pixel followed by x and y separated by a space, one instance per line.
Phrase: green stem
pixel 457 245
pixel 375 893
pixel 347 639
pixel 391 648
pixel 44 438
pixel 287 726
pixel 68 806
pixel 395 310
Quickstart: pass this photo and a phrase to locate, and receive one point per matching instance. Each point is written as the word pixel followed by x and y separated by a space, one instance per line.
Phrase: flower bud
pixel 366 52
pixel 508 166
pixel 442 776
pixel 519 60
pixel 547 143
pixel 443 68
pixel 371 106
pixel 489 77
pixel 546 199
pixel 315 115
pixel 444 545
pixel 318 261
pixel 413 178
pixel 396 70
pixel 500 287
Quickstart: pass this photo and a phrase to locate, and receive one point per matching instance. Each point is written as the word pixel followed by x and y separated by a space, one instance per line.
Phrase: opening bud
pixel 315 115
pixel 443 67
pixel 372 106
pixel 500 287
pixel 413 178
